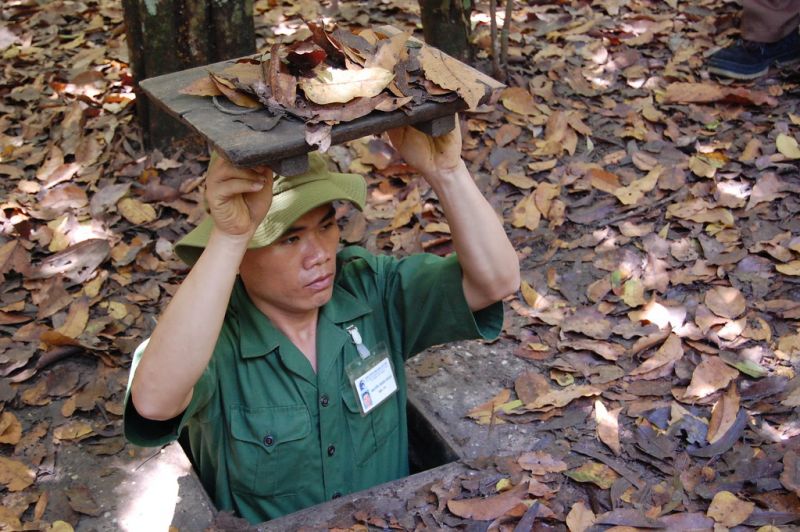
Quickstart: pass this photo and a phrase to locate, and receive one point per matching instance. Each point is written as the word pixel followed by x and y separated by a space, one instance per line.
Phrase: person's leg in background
pixel 769 37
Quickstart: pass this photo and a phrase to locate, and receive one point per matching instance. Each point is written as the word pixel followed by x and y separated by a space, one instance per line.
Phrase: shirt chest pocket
pixel 369 432
pixel 267 444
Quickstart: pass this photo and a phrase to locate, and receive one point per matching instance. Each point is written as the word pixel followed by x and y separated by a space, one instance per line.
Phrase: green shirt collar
pixel 259 337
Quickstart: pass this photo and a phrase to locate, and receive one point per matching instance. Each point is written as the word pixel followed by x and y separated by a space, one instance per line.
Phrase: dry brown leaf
pixel 728 510
pixel 450 74
pixel 693 93
pixel 711 92
pixel 607 350
pixel 204 86
pixel 244 72
pixel 575 120
pixel 77 318
pixel 525 214
pixel 506 134
pixel 530 385
pixel 700 211
pixel 598 474
pixel 725 301
pixel 557 213
pixel 790 268
pixel 529 293
pixel 41 506
pixel 341 86
pixel 406 209
pixel 710 375
pixel 233 94
pixel 72 430
pixel 790 477
pixel 757 328
pixel 602 180
pixel 732 329
pixel 319 135
pixel 723 414
pixel 539 489
pixel 10 428
pixel 56 339
pixel 793 399
pixel 541 166
pixel 437 227
pixel 669 353
pixel 633 293
pixel 633 193
pixel 598 289
pixel 387 105
pixel 750 151
pixel 543 197
pixel 518 100
pixel 519 180
pixel 563 397
pixel 558 136
pixel 355 229
pixel 36 395
pixel 15 475
pixel 701 167
pixel 580 517
pixel 136 212
pixel 485 412
pixel 644 161
pixel 589 322
pixel 608 426
pixel 787 146
pixel 81 500
pixel 283 86
pixel 390 52
pixel 484 509
pixel 768 188
pixel 540 463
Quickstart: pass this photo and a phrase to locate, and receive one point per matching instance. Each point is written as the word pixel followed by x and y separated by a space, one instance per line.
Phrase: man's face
pixel 295 274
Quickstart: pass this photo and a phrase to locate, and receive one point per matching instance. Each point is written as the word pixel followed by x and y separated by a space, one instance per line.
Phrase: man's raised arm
pixel 184 339
pixel 489 263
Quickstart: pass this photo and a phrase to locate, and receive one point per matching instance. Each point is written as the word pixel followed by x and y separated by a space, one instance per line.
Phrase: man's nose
pixel 316 252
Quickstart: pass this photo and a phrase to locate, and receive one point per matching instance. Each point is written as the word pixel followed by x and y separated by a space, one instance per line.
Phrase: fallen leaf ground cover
pixel 653 209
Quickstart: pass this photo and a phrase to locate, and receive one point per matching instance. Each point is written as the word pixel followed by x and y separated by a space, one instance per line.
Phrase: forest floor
pixel 653 207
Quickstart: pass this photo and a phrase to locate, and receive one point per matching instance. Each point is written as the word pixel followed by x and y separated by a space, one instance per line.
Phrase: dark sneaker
pixel 750 60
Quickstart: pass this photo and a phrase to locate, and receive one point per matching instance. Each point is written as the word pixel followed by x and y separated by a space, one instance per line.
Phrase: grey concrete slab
pixel 138 489
pixel 393 500
pixel 446 382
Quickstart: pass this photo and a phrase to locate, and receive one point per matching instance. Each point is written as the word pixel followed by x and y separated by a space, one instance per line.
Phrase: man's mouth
pixel 321 283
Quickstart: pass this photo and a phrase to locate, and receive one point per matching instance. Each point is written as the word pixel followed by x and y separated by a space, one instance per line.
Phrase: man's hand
pixel 489 264
pixel 238 198
pixel 431 156
pixel 185 336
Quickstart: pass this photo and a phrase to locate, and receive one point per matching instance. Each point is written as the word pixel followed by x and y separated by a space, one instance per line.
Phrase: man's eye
pixel 291 240
pixel 327 226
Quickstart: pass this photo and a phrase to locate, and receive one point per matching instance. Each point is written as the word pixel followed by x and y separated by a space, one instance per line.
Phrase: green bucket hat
pixel 292 197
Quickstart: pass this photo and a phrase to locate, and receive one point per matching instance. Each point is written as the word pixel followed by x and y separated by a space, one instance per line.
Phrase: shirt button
pixel 336 495
pixel 269 440
pixel 331 450
pixel 324 400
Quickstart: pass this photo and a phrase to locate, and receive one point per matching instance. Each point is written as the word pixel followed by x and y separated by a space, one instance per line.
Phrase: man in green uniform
pixel 267 348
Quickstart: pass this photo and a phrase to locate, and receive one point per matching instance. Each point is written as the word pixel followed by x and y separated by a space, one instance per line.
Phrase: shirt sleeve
pixel 152 433
pixel 425 298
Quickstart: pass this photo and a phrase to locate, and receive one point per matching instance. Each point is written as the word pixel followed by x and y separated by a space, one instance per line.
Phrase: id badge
pixel 371 375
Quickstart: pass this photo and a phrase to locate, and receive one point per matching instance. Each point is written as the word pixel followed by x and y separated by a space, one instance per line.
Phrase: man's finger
pixel 236 186
pixel 263 170
pixel 397 134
